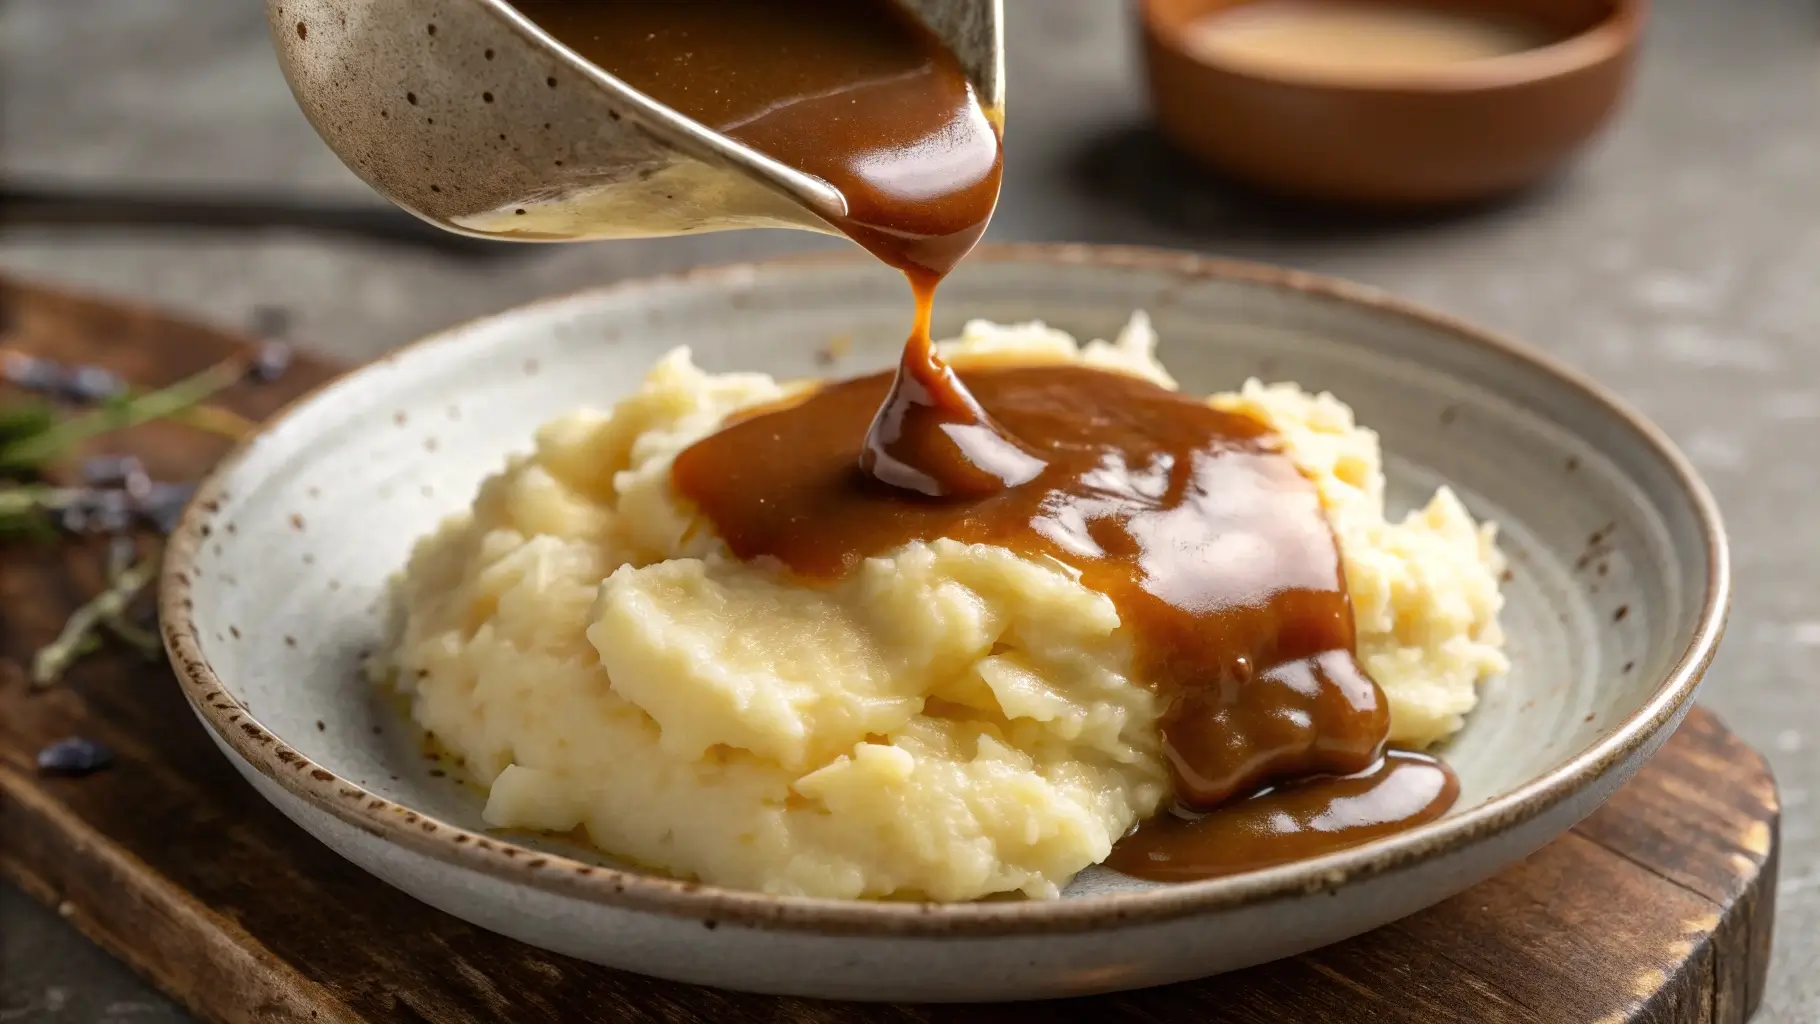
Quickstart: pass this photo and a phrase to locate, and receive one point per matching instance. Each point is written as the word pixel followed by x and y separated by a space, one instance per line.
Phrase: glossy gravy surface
pixel 1209 541
pixel 861 95
pixel 1211 544
pixel 854 92
pixel 1291 822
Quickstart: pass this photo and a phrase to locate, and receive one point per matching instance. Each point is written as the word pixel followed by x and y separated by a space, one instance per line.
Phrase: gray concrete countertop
pixel 1677 263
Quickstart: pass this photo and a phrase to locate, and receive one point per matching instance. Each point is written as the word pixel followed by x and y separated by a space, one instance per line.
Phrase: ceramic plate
pixel 274 583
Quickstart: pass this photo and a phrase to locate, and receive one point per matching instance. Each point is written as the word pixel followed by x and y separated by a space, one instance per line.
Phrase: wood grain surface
pixel 1656 908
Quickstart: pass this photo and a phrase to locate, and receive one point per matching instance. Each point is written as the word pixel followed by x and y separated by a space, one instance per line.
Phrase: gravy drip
pixel 1292 822
pixel 1208 540
pixel 861 95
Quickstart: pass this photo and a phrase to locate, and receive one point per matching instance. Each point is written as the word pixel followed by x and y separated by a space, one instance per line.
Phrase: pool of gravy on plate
pixel 1209 541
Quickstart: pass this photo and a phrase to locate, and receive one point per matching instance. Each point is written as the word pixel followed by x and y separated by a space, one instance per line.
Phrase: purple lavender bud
pixel 110 470
pixel 92 384
pixel 270 362
pixel 98 511
pixel 74 518
pixel 31 373
pixel 74 757
pixel 138 486
pixel 110 518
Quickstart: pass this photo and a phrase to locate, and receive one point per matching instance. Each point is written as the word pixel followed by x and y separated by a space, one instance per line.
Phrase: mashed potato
pixel 947 722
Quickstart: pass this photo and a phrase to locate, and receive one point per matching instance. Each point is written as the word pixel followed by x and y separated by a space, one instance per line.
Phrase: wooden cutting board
pixel 1657 908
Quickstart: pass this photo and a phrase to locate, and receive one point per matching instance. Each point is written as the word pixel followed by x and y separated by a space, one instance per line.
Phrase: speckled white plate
pixel 274 581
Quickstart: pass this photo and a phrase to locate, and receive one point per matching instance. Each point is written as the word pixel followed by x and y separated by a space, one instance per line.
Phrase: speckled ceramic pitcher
pixel 467 114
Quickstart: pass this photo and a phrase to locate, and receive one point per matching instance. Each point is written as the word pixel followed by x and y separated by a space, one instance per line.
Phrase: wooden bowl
pixel 1432 136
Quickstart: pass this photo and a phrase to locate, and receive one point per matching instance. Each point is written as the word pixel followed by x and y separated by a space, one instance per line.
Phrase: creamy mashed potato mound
pixel 948 722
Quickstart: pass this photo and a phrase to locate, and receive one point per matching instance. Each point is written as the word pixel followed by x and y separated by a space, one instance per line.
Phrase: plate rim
pixel 242 733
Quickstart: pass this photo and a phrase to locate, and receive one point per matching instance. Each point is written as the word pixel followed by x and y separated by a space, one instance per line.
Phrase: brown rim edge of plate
pixel 564 876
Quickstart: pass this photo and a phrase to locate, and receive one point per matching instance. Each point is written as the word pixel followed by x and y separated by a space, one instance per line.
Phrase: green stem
pixel 22 499
pixel 37 449
pixel 49 664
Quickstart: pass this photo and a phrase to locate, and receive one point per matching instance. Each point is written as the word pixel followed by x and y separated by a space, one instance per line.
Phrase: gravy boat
pixel 467 114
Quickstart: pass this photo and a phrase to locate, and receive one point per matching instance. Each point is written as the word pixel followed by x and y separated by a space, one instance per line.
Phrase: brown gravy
pixel 854 92
pixel 861 95
pixel 1291 822
pixel 1209 541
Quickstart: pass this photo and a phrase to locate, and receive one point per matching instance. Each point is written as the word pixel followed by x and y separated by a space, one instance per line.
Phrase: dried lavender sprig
pixel 48 378
pixel 122 551
pixel 31 510
pixel 271 360
pixel 79 383
pixel 105 511
pixel 49 664
pixel 80 510
pixel 30 372
pixel 25 499
pixel 37 449
pixel 89 384
pixel 110 470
